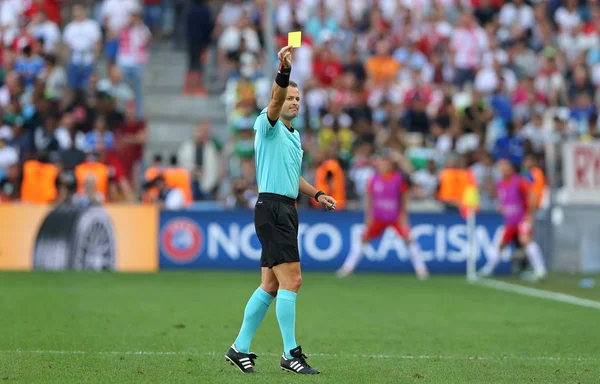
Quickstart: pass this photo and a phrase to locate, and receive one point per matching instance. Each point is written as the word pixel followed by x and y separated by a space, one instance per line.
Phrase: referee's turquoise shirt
pixel 278 157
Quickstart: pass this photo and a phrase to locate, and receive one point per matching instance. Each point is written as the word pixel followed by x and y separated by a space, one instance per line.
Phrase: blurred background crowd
pixel 448 86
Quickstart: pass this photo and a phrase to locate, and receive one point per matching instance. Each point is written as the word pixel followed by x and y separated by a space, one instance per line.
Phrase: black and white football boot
pixel 244 361
pixel 297 364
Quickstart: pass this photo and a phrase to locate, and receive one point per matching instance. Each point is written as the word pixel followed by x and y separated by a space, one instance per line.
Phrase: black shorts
pixel 276 223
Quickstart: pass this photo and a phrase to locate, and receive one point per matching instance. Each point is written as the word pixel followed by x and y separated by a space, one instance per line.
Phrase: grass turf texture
pixel 78 328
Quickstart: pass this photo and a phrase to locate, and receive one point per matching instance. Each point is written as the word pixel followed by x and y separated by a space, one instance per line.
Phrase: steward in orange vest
pixel 174 177
pixel 41 181
pixel 536 175
pixel 99 171
pixel 453 181
pixel 329 178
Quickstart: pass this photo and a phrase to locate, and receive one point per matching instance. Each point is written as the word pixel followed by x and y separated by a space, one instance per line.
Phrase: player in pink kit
pixel 517 205
pixel 386 206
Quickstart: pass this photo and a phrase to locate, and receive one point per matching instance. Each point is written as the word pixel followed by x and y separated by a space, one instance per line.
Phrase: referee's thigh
pixel 289 276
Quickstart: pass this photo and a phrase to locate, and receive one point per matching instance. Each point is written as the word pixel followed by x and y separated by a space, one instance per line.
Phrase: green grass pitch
pixel 175 328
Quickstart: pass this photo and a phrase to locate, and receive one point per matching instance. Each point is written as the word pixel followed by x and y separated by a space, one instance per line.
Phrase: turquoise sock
pixel 286 316
pixel 255 312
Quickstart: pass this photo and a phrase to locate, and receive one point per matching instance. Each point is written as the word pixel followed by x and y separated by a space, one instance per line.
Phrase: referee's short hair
pixel 293 84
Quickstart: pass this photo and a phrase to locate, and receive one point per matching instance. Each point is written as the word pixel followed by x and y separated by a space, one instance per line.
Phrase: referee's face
pixel 292 104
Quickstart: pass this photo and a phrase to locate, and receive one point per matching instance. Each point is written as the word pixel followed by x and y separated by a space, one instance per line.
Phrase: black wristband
pixel 285 70
pixel 319 193
pixel 282 79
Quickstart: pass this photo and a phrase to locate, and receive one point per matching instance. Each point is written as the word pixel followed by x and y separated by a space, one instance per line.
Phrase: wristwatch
pixel 319 193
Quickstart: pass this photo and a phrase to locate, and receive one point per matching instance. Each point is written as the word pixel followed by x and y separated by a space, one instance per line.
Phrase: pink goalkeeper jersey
pixel 512 194
pixel 386 196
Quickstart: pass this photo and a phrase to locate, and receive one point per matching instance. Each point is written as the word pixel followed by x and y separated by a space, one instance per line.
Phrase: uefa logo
pixel 181 240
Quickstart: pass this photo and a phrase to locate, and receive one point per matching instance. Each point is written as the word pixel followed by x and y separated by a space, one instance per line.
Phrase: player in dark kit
pixel 278 166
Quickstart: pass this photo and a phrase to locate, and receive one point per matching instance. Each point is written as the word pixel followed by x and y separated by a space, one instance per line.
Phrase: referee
pixel 278 163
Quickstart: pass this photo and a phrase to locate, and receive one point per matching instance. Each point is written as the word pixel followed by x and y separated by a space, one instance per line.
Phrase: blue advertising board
pixel 227 240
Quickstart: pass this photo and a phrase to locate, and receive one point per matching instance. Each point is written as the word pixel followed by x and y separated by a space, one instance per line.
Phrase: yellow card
pixel 295 39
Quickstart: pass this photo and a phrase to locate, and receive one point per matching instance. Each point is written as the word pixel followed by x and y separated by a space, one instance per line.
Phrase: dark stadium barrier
pixel 226 240
pixel 113 238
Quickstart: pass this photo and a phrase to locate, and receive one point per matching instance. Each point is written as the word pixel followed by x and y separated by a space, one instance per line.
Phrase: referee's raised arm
pixel 280 86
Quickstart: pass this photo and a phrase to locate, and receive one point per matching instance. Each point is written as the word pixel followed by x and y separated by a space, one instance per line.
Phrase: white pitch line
pixel 539 293
pixel 373 356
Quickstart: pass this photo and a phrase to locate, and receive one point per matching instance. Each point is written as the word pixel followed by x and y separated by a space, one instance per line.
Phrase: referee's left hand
pixel 328 201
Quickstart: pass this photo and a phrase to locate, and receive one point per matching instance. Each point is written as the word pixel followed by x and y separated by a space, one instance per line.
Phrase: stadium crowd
pixel 447 85
pixel 67 130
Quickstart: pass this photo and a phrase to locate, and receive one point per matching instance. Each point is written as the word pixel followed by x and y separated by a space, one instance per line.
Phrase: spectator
pixel 517 17
pixel 83 114
pixel 62 132
pixel 248 173
pixel 130 138
pixel 409 54
pixel 236 39
pixel 487 11
pixel 10 12
pixel 119 187
pixel 381 68
pixel 426 181
pixel 567 16
pixel 114 86
pixel 549 80
pixel 10 188
pixel 199 27
pixel 179 30
pixel 55 78
pixel 21 139
pixel 230 13
pixel 171 199
pixel 241 197
pixel 50 8
pixel 13 86
pixel 581 111
pixel 327 68
pixel 469 43
pixel 45 139
pixel 322 25
pixel 89 196
pixel 115 17
pixel 242 124
pixel 106 105
pixel 24 38
pixel 477 115
pixel 486 175
pixel 362 168
pixel 29 66
pixel 82 36
pixel 153 11
pixel 510 146
pixel 534 131
pixel 133 55
pixel 99 134
pixel 201 158
pixel 8 155
pixel 416 119
pixel 45 31
pixel 72 153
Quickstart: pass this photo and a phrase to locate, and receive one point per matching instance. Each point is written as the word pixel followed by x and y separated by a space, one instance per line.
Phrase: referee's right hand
pixel 285 56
